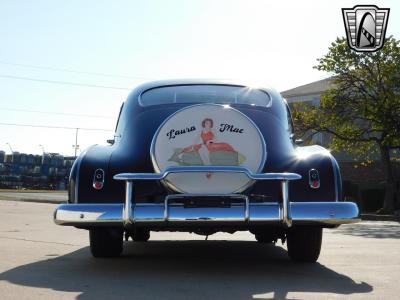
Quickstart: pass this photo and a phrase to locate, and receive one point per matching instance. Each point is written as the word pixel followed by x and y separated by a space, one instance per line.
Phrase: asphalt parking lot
pixel 40 260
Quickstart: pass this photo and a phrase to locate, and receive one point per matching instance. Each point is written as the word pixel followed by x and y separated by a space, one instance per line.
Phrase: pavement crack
pixel 36 241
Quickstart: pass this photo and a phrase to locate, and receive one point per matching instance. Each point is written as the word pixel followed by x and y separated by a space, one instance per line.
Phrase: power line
pixel 54 127
pixel 57 69
pixel 57 113
pixel 64 82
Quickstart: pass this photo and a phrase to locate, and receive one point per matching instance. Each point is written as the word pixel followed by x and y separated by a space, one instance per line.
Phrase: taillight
pixel 98 179
pixel 313 179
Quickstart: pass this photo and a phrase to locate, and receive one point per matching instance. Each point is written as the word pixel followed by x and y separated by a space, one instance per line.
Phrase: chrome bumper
pixel 175 214
pixel 322 213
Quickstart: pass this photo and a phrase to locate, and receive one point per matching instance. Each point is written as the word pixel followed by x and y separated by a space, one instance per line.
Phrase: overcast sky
pixel 275 43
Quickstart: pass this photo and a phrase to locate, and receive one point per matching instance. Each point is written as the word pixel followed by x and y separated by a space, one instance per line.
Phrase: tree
pixel 361 109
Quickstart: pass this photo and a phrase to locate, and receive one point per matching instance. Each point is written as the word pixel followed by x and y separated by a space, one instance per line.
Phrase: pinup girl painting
pixel 206 150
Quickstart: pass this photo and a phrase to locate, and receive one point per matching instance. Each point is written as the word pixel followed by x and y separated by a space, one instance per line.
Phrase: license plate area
pixel 206 201
pixel 206 206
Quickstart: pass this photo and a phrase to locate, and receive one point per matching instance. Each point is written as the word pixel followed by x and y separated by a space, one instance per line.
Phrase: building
pixel 310 93
pixel 354 172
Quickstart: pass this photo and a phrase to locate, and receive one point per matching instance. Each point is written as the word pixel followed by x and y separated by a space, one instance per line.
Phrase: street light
pixel 9 145
pixel 76 146
pixel 41 146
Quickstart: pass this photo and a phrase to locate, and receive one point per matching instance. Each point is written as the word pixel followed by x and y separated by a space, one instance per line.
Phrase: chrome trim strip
pixel 335 176
pixel 323 213
pixel 78 169
pixel 226 169
pixel 153 141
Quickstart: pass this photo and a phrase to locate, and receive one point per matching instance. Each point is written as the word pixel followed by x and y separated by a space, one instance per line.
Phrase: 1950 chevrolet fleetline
pixel 203 157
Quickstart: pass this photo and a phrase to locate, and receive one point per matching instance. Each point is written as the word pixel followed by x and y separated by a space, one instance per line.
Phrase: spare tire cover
pixel 208 134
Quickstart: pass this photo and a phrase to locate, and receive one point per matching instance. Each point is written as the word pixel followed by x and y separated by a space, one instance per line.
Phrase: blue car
pixel 204 157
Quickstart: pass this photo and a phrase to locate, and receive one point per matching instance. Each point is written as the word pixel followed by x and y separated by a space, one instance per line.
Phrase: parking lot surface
pixel 40 260
pixel 35 196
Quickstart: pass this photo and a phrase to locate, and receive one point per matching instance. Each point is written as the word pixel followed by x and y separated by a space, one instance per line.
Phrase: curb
pixel 374 217
pixel 49 201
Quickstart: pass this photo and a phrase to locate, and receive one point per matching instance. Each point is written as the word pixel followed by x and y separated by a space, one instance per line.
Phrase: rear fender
pixel 320 159
pixel 81 188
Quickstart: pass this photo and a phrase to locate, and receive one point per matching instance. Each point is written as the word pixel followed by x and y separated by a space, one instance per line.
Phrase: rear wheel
pixel 268 234
pixel 141 235
pixel 304 243
pixel 106 242
pixel 264 238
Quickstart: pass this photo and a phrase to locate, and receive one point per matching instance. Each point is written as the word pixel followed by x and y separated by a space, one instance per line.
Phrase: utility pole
pixel 76 146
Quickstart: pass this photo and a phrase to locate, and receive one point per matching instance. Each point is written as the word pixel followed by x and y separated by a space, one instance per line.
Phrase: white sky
pixel 275 43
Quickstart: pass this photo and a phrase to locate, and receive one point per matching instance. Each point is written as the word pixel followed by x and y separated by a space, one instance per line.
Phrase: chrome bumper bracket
pixel 283 177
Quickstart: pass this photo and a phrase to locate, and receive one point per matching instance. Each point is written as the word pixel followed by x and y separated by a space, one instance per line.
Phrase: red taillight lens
pixel 98 179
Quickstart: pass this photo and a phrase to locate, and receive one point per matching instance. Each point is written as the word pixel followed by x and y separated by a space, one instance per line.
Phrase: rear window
pixel 221 94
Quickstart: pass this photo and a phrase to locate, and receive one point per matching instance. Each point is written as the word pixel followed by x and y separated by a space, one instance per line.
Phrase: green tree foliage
pixel 361 109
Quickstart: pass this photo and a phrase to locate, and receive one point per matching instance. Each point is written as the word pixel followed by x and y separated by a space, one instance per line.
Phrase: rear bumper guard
pixel 155 214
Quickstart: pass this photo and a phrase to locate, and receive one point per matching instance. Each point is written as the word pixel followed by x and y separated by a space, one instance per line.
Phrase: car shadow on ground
pixel 184 270
pixel 371 229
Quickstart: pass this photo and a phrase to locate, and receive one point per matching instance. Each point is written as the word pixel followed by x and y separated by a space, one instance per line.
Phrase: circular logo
pixel 208 134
